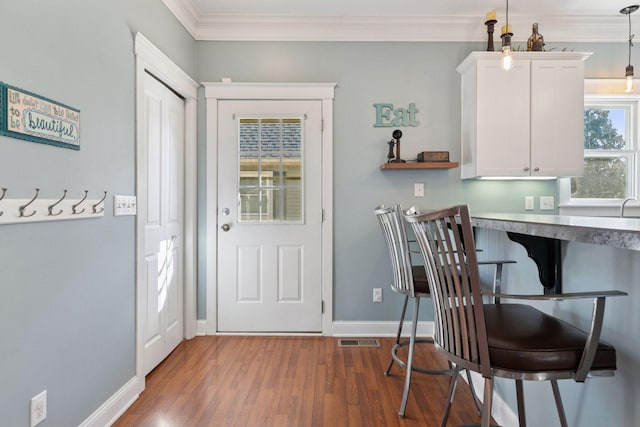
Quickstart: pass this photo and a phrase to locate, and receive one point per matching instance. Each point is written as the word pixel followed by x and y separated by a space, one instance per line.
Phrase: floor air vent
pixel 354 342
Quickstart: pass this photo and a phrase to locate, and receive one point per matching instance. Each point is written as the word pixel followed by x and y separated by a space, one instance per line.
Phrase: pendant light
pixel 628 72
pixel 507 61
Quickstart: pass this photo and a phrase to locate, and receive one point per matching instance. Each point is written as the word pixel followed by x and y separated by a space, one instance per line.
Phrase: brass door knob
pixel 225 227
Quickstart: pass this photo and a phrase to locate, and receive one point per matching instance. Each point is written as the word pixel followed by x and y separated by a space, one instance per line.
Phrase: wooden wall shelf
pixel 419 165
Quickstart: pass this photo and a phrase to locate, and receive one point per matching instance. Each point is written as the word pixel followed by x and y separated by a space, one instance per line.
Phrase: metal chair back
pixel 393 228
pixel 446 241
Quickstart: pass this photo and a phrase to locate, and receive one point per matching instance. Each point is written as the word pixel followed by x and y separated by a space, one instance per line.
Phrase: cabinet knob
pixel 526 168
pixel 536 169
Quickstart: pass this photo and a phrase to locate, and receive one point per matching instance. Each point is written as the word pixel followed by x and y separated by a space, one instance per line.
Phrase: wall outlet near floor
pixel 124 205
pixel 38 408
pixel 546 203
pixel 528 203
pixel 377 294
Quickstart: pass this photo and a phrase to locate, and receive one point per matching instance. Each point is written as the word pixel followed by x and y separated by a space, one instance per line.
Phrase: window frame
pixel 608 92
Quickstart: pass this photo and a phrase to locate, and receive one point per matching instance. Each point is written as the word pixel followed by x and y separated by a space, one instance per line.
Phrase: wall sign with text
pixel 32 117
pixel 387 116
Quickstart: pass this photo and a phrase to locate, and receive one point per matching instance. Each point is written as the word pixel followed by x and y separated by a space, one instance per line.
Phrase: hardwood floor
pixel 292 381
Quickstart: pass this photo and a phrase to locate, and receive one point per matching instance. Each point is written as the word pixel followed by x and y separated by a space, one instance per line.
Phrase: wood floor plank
pixel 238 381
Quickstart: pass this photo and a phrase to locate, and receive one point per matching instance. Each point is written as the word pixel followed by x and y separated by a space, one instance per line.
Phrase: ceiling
pixel 399 20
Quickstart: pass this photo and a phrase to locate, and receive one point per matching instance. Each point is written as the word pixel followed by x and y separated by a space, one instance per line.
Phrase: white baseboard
pixel 379 329
pixel 201 328
pixel 360 329
pixel 115 406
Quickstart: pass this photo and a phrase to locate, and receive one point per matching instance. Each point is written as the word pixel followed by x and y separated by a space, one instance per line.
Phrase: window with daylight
pixel 270 187
pixel 610 157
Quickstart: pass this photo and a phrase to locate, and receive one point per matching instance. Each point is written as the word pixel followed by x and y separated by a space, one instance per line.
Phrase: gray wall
pixel 67 288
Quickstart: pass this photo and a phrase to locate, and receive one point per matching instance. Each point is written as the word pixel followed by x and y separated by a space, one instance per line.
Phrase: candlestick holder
pixel 506 40
pixel 490 28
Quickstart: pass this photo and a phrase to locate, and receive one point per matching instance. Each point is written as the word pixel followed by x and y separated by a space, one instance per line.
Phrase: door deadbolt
pixel 225 211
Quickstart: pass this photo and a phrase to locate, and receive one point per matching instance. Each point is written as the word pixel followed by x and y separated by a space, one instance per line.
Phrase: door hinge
pixel 321 125
pixel 321 307
pixel 323 216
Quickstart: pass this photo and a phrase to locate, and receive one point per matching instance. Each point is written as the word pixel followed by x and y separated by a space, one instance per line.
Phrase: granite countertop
pixel 616 232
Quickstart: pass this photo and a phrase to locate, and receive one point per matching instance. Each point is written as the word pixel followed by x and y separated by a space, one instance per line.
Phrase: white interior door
pixel 269 216
pixel 163 223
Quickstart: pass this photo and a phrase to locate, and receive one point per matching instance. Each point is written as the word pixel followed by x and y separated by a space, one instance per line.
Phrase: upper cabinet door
pixel 557 118
pixel 503 119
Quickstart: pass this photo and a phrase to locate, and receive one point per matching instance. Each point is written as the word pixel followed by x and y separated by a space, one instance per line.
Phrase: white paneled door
pixel 163 221
pixel 269 216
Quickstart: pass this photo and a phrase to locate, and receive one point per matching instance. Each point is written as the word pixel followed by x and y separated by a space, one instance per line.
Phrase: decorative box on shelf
pixel 433 156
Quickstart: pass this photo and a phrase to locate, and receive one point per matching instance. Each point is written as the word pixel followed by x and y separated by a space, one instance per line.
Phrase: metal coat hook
pixel 74 208
pixel 95 207
pixel 23 207
pixel 55 204
pixel 4 191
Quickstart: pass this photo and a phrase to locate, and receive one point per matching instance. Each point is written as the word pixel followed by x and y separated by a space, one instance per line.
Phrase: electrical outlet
pixel 418 189
pixel 124 205
pixel 38 408
pixel 528 203
pixel 377 294
pixel 546 203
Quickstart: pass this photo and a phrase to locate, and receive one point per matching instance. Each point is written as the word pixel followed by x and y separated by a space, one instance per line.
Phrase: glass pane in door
pixel 270 169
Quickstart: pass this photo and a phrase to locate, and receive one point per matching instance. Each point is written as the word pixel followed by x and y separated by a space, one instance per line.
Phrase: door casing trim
pixel 148 58
pixel 215 92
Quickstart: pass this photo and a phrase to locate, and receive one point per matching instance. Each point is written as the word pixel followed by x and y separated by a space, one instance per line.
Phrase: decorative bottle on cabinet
pixel 536 41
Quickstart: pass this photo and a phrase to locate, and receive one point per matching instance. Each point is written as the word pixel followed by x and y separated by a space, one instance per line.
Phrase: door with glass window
pixel 269 216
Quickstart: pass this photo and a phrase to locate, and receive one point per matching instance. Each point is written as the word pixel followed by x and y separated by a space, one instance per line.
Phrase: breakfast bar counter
pixel 617 232
pixel 542 237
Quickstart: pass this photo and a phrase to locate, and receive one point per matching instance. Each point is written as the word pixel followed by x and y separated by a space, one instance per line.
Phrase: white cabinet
pixel 527 121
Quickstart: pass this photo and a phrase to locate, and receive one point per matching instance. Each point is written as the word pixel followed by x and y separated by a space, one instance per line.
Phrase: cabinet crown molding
pixel 538 56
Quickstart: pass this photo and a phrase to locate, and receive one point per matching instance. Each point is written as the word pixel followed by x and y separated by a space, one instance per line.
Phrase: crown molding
pixel 187 12
pixel 458 28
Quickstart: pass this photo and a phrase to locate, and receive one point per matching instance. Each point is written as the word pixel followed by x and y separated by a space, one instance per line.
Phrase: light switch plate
pixel 528 203
pixel 546 203
pixel 418 189
pixel 377 294
pixel 124 205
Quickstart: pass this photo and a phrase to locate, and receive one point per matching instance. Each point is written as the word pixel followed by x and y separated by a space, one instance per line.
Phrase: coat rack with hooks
pixel 37 209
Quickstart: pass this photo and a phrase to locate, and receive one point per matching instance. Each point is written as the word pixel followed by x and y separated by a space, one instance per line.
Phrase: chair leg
pixel 556 395
pixel 520 397
pixel 398 335
pixel 452 390
pixel 497 282
pixel 476 400
pixel 486 403
pixel 412 343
